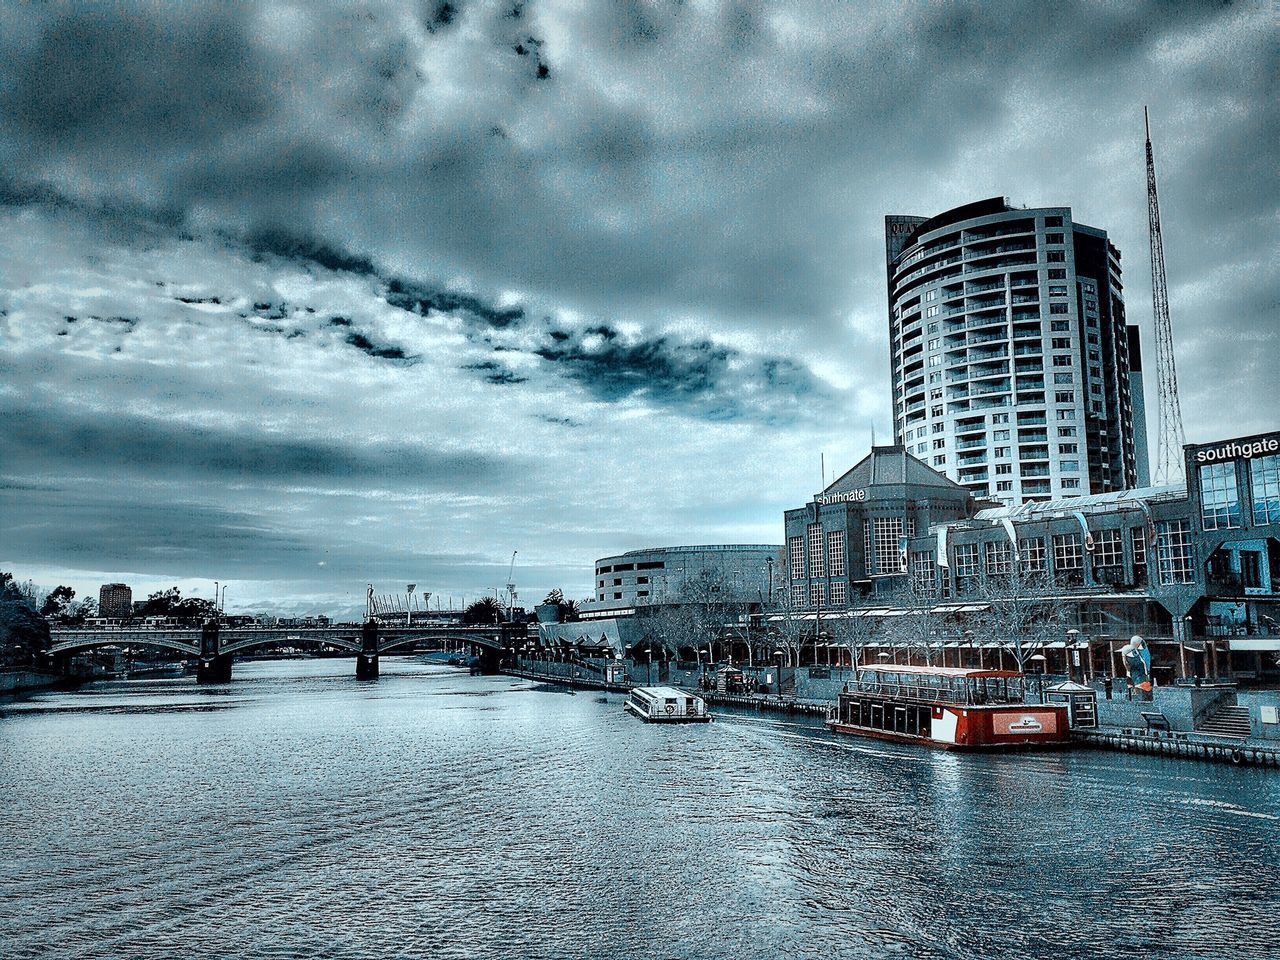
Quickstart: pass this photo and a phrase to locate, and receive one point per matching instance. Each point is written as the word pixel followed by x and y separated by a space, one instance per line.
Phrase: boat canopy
pixel 958 673
pixel 663 693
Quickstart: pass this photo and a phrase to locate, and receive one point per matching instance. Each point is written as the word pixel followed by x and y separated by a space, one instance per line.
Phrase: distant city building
pixel 734 572
pixel 1014 371
pixel 115 600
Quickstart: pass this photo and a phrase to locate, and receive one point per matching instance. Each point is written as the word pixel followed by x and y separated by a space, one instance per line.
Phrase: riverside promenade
pixel 810 692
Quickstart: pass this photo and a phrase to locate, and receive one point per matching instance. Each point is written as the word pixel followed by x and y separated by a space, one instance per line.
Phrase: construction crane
pixel 511 586
pixel 1172 438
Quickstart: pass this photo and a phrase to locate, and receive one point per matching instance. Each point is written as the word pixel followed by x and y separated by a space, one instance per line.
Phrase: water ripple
pixel 297 813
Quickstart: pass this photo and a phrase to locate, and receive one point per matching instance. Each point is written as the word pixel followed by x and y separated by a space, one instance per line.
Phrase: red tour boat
pixel 949 707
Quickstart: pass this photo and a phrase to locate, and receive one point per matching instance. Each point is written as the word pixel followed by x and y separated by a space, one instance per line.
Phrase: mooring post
pixel 367 661
pixel 214 666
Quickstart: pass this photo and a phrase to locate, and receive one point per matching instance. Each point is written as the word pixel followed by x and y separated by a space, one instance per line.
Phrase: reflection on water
pixel 298 812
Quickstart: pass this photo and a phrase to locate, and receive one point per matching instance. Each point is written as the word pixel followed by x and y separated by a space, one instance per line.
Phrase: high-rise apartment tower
pixel 1012 370
pixel 115 600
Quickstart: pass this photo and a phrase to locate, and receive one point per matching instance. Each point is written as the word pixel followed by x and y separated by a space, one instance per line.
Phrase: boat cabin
pixel 667 705
pixel 942 684
pixel 951 707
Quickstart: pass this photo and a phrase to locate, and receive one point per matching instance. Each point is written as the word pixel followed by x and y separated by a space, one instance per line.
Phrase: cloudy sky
pixel 303 296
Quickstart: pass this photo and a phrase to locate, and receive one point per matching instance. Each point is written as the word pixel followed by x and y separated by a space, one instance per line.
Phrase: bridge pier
pixel 214 665
pixel 214 669
pixel 487 660
pixel 367 659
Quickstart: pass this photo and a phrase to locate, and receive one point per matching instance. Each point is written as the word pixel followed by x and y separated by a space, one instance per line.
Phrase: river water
pixel 298 812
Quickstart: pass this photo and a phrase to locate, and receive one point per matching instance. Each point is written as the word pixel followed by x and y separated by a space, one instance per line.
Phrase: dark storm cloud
pixel 373 131
pixel 124 530
pixel 696 377
pixel 293 246
pixel 664 371
pixel 497 373
pixel 58 442
pixel 365 345
pixel 422 299
pixel 128 79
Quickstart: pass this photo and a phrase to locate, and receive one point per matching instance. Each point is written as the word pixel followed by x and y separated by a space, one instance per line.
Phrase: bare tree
pixel 790 629
pixel 918 628
pixel 1023 614
pixel 854 634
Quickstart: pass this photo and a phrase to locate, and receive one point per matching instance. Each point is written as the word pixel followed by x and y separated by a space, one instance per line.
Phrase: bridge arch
pixel 93 643
pixel 400 640
pixel 250 643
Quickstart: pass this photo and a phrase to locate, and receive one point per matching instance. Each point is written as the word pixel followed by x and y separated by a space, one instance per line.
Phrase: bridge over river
pixel 215 646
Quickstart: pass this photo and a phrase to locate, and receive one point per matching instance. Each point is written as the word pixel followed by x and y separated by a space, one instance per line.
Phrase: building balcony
pixel 1001 264
pixel 989 391
pixel 1009 229
pixel 978 356
pixel 989 320
pixel 982 287
pixel 984 249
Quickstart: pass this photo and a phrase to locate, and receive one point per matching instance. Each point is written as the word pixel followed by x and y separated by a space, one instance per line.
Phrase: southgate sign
pixel 848 496
pixel 1240 450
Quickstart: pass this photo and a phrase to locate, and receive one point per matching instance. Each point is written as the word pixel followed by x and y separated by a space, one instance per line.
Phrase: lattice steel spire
pixel 1170 467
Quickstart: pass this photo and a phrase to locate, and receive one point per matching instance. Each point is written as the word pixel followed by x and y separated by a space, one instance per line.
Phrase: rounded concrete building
pixel 738 571
pixel 1014 371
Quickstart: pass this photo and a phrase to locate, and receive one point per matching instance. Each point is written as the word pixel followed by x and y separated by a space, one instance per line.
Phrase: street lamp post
pixel 1073 653
pixel 1182 643
pixel 1039 659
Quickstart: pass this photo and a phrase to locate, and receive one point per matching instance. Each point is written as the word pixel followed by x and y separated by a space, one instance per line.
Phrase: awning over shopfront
pixel 1255 644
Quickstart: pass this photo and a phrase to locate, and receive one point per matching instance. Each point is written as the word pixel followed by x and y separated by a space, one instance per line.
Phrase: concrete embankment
pixel 17 682
pixel 766 702
pixel 1189 746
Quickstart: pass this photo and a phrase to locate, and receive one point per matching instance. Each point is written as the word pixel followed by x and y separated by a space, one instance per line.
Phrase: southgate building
pixel 1194 568
pixel 1014 371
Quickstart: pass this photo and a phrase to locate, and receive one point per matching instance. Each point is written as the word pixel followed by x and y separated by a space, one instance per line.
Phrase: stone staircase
pixel 1229 721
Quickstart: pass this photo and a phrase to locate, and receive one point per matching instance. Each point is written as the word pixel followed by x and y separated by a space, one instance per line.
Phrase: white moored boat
pixel 667 705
